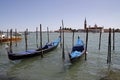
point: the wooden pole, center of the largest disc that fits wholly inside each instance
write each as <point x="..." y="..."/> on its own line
<point x="60" y="37"/>
<point x="100" y="39"/>
<point x="113" y="39"/>
<point x="37" y="37"/>
<point x="7" y="33"/>
<point x="86" y="43"/>
<point x="109" y="47"/>
<point x="41" y="40"/>
<point x="63" y="53"/>
<point x="73" y="39"/>
<point x="40" y="36"/>
<point x="16" y="37"/>
<point x="25" y="33"/>
<point x="10" y="40"/>
<point x="48" y="33"/>
<point x="1" y="37"/>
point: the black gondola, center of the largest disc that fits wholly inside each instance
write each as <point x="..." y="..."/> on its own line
<point x="77" y="50"/>
<point x="31" y="53"/>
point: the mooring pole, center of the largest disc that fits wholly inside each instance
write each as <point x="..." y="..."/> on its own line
<point x="16" y="37"/>
<point x="26" y="44"/>
<point x="37" y="37"/>
<point x="109" y="47"/>
<point x="63" y="53"/>
<point x="48" y="34"/>
<point x="7" y="33"/>
<point x="27" y="31"/>
<point x="113" y="39"/>
<point x="41" y="40"/>
<point x="86" y="44"/>
<point x="60" y="37"/>
<point x="100" y="39"/>
<point x="73" y="38"/>
<point x="0" y="38"/>
<point x="10" y="40"/>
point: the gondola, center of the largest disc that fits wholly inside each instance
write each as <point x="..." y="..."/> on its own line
<point x="77" y="50"/>
<point x="31" y="53"/>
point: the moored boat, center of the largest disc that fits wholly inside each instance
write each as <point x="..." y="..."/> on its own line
<point x="4" y="38"/>
<point x="31" y="53"/>
<point x="77" y="50"/>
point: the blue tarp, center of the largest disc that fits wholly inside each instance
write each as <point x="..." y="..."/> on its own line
<point x="79" y="46"/>
<point x="79" y="42"/>
<point x="23" y="52"/>
<point x="31" y="51"/>
<point x="26" y="52"/>
<point x="75" y="54"/>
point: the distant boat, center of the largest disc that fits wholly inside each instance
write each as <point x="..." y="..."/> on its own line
<point x="77" y="50"/>
<point x="31" y="53"/>
<point x="4" y="38"/>
<point x="17" y="34"/>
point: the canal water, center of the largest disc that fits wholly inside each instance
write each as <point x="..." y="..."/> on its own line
<point x="52" y="67"/>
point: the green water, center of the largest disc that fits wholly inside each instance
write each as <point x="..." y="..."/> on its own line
<point x="52" y="67"/>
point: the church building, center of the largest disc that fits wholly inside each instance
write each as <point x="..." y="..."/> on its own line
<point x="95" y="28"/>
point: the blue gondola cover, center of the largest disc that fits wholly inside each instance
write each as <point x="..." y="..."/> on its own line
<point x="75" y="54"/>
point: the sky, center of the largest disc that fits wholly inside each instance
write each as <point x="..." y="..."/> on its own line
<point x="22" y="14"/>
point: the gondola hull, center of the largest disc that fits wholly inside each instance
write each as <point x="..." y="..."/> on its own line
<point x="37" y="53"/>
<point x="32" y="53"/>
